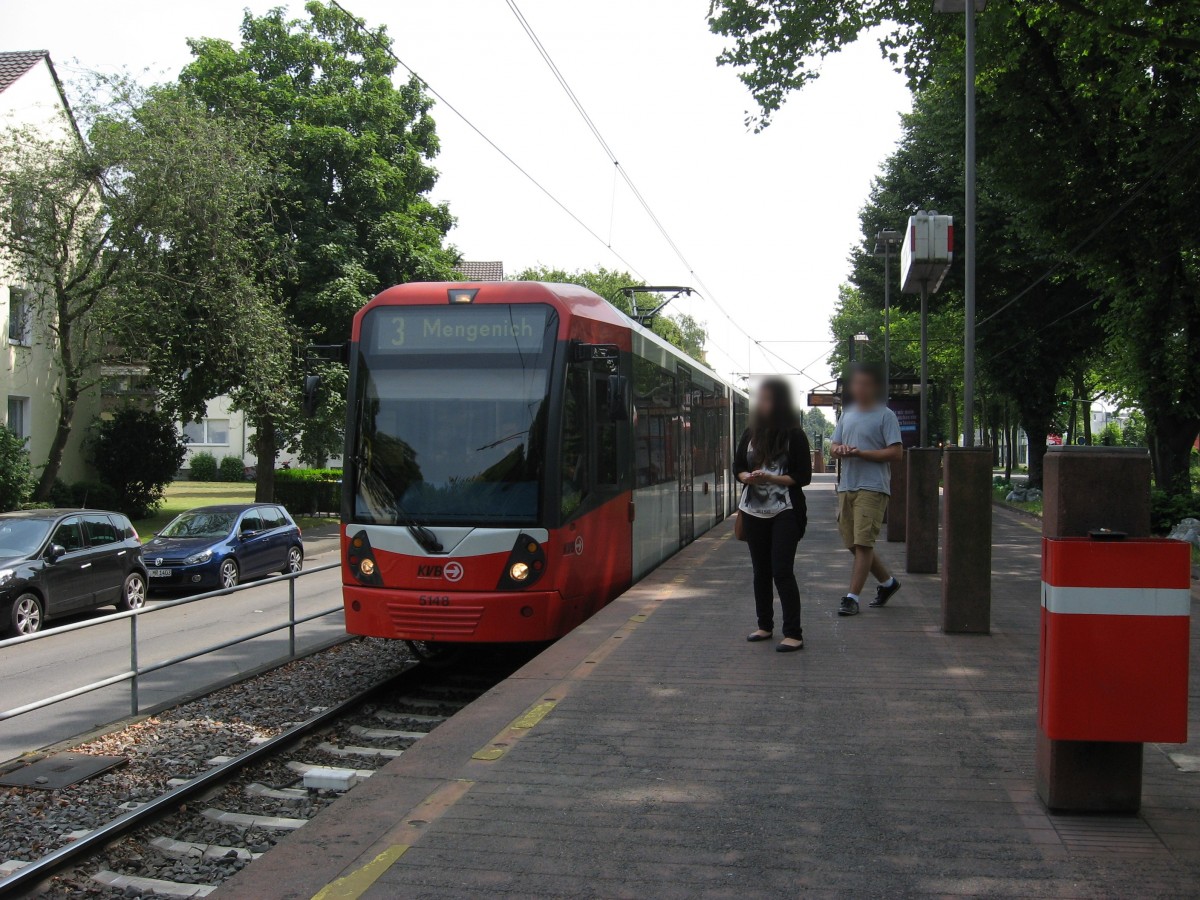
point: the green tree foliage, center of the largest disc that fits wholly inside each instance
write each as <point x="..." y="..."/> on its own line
<point x="140" y="477"/>
<point x="350" y="153"/>
<point x="679" y="329"/>
<point x="15" y="477"/>
<point x="1088" y="117"/>
<point x="1111" y="435"/>
<point x="138" y="241"/>
<point x="815" y="422"/>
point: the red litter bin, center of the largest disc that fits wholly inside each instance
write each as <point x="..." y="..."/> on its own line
<point x="1116" y="618"/>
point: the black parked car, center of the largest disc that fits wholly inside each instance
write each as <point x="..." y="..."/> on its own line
<point x="219" y="546"/>
<point x="54" y="562"/>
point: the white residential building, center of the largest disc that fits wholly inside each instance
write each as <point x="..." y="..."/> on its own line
<point x="224" y="431"/>
<point x="31" y="97"/>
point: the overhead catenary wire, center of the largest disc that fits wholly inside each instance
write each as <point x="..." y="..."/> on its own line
<point x="361" y="26"/>
<point x="1080" y="308"/>
<point x="705" y="291"/>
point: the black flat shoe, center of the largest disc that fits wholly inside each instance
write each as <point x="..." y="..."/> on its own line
<point x="755" y="638"/>
<point x="789" y="648"/>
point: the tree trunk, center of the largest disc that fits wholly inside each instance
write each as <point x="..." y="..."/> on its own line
<point x="1010" y="458"/>
<point x="68" y="397"/>
<point x="1037" y="452"/>
<point x="1085" y="406"/>
<point x="1008" y="448"/>
<point x="62" y="433"/>
<point x="265" y="451"/>
<point x="1171" y="439"/>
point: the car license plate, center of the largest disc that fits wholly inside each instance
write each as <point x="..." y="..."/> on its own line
<point x="159" y="573"/>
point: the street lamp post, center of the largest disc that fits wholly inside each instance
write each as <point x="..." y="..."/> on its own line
<point x="968" y="9"/>
<point x="884" y="242"/>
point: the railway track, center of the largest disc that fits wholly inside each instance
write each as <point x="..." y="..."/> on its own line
<point x="198" y="831"/>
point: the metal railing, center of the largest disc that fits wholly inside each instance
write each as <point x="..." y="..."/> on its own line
<point x="137" y="670"/>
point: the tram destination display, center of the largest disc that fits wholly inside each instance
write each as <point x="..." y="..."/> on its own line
<point x="469" y="329"/>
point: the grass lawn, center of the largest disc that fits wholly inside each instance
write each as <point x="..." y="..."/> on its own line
<point x="184" y="495"/>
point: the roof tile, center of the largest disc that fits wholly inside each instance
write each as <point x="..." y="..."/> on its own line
<point x="14" y="64"/>
<point x="482" y="271"/>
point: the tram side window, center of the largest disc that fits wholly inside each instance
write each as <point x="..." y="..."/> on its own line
<point x="655" y="409"/>
<point x="574" y="461"/>
<point x="607" y="467"/>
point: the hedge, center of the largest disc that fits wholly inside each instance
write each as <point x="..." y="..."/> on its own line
<point x="309" y="492"/>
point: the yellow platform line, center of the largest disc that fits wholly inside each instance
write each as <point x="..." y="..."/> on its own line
<point x="357" y="883"/>
<point x="514" y="731"/>
<point x="398" y="840"/>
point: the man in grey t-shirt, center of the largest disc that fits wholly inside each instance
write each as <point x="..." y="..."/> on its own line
<point x="867" y="441"/>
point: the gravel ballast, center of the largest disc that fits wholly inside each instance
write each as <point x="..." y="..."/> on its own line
<point x="179" y="744"/>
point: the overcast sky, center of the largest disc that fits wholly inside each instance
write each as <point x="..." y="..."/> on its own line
<point x="765" y="220"/>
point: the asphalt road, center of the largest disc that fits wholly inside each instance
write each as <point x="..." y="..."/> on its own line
<point x="56" y="664"/>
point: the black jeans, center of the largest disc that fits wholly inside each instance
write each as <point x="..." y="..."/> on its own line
<point x="773" y="553"/>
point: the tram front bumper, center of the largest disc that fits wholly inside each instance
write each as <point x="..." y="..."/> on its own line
<point x="453" y="617"/>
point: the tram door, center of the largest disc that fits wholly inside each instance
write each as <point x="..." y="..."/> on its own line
<point x="684" y="445"/>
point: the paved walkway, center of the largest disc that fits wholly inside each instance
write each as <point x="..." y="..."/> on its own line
<point x="654" y="753"/>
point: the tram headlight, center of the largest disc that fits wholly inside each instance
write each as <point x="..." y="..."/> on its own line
<point x="367" y="567"/>
<point x="524" y="566"/>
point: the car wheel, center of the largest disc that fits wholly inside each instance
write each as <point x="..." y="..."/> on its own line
<point x="27" y="615"/>
<point x="229" y="574"/>
<point x="295" y="561"/>
<point x="134" y="595"/>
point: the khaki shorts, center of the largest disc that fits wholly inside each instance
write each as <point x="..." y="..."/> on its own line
<point x="860" y="516"/>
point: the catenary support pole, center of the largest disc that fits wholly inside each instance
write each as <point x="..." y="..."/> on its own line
<point x="924" y="442"/>
<point x="969" y="237"/>
<point x="887" y="321"/>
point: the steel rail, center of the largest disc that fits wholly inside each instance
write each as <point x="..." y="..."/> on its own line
<point x="40" y="869"/>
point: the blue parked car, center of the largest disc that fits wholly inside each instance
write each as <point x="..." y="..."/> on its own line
<point x="220" y="546"/>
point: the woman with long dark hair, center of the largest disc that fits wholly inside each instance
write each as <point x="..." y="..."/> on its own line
<point x="772" y="461"/>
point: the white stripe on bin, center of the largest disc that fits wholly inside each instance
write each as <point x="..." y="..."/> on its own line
<point x="1116" y="601"/>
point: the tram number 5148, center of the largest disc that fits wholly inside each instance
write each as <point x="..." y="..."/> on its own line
<point x="431" y="600"/>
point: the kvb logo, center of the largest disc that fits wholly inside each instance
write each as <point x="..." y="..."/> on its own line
<point x="429" y="571"/>
<point x="452" y="571"/>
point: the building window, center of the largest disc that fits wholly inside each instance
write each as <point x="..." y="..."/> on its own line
<point x="20" y="317"/>
<point x="18" y="416"/>
<point x="207" y="431"/>
<point x="121" y="381"/>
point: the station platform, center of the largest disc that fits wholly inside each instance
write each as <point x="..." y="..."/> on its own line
<point x="653" y="752"/>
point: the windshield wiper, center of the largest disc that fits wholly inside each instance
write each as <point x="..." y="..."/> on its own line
<point x="503" y="440"/>
<point x="423" y="536"/>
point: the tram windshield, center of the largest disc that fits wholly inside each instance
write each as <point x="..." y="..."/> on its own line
<point x="451" y="407"/>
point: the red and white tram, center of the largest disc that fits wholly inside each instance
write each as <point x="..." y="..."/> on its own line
<point x="517" y="455"/>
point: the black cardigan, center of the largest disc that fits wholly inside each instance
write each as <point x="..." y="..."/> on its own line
<point x="799" y="463"/>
